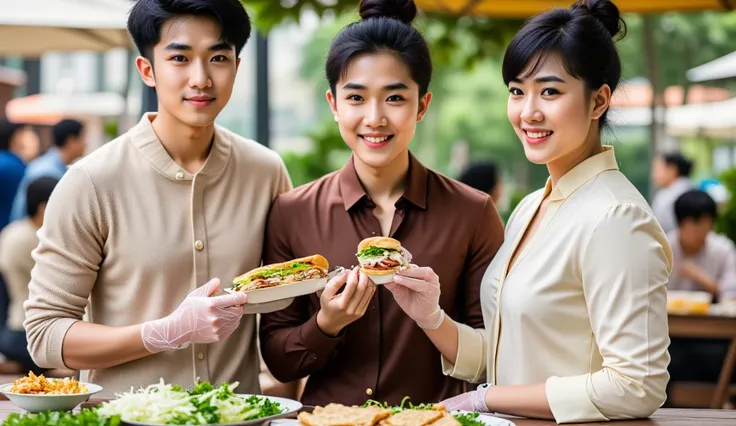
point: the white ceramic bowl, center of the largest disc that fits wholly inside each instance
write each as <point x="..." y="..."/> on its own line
<point x="37" y="403"/>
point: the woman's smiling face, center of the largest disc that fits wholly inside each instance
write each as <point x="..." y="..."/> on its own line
<point x="377" y="106"/>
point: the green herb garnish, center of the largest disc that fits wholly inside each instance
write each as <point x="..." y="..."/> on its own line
<point x="465" y="419"/>
<point x="374" y="252"/>
<point x="279" y="272"/>
<point x="86" y="417"/>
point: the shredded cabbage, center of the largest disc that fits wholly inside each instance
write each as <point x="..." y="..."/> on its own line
<point x="205" y="404"/>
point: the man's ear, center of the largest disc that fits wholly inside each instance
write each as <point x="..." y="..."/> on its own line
<point x="424" y="105"/>
<point x="333" y="104"/>
<point x="145" y="69"/>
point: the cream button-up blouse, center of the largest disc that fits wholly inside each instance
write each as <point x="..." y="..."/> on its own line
<point x="583" y="309"/>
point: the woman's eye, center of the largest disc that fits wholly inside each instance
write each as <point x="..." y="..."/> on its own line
<point x="515" y="91"/>
<point x="356" y="98"/>
<point x="550" y="92"/>
<point x="395" y="98"/>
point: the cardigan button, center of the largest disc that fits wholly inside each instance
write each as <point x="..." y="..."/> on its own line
<point x="199" y="245"/>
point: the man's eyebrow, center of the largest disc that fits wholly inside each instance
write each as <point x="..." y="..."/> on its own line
<point x="220" y="46"/>
<point x="392" y="86"/>
<point x="183" y="46"/>
<point x="177" y="46"/>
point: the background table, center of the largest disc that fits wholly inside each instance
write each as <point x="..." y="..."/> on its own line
<point x="710" y="327"/>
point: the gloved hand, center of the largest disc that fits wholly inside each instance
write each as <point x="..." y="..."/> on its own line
<point x="469" y="401"/>
<point x="198" y="319"/>
<point x="417" y="292"/>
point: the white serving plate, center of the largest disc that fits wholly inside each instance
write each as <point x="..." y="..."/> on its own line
<point x="486" y="419"/>
<point x="38" y="403"/>
<point x="290" y="406"/>
<point x="288" y="291"/>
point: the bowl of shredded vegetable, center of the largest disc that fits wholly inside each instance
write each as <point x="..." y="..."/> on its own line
<point x="205" y="404"/>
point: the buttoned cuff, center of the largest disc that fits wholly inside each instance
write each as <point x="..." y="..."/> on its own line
<point x="316" y="341"/>
<point x="470" y="360"/>
<point x="569" y="401"/>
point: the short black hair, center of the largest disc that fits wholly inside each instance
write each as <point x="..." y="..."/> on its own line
<point x="38" y="192"/>
<point x="482" y="176"/>
<point x="385" y="27"/>
<point x="695" y="204"/>
<point x="65" y="129"/>
<point x="583" y="35"/>
<point x="147" y="16"/>
<point x="683" y="165"/>
<point x="7" y="130"/>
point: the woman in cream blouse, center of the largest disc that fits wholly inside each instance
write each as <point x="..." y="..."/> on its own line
<point x="574" y="302"/>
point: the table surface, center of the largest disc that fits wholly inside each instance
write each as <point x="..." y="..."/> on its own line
<point x="663" y="417"/>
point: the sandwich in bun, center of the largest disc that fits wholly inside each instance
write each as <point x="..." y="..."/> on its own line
<point x="382" y="256"/>
<point x="277" y="274"/>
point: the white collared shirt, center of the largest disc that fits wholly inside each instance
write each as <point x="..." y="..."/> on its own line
<point x="583" y="309"/>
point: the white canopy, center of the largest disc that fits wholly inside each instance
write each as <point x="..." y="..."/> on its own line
<point x="717" y="69"/>
<point x="31" y="27"/>
<point x="711" y="119"/>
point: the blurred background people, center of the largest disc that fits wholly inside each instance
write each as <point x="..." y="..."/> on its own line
<point x="17" y="242"/>
<point x="484" y="176"/>
<point x="671" y="175"/>
<point x="702" y="259"/>
<point x="69" y="145"/>
<point x="19" y="144"/>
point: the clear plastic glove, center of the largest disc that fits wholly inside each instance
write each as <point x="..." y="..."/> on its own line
<point x="199" y="319"/>
<point x="417" y="291"/>
<point x="469" y="401"/>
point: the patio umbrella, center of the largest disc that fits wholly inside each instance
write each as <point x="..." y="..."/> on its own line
<point x="29" y="28"/>
<point x="717" y="69"/>
<point x="526" y="8"/>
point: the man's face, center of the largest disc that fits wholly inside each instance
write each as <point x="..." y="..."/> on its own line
<point x="193" y="70"/>
<point x="693" y="232"/>
<point x="663" y="174"/>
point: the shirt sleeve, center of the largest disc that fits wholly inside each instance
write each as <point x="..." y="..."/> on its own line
<point x="67" y="258"/>
<point x="727" y="280"/>
<point x="292" y="344"/>
<point x="624" y="270"/>
<point x="488" y="237"/>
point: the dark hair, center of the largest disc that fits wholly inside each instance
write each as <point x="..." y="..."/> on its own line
<point x="695" y="204"/>
<point x="482" y="176"/>
<point x="39" y="191"/>
<point x="65" y="129"/>
<point x="8" y="129"/>
<point x="583" y="35"/>
<point x="147" y="16"/>
<point x="385" y="26"/>
<point x="683" y="165"/>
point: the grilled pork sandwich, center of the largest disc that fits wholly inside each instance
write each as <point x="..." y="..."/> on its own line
<point x="381" y="256"/>
<point x="305" y="268"/>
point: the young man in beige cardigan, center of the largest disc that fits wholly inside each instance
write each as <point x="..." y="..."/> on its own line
<point x="134" y="230"/>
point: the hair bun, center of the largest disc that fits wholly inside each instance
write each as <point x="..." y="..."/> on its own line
<point x="403" y="10"/>
<point x="607" y="13"/>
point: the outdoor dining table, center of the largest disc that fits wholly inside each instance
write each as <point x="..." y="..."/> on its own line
<point x="663" y="417"/>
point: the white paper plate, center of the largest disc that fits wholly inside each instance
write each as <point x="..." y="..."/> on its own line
<point x="290" y="406"/>
<point x="36" y="403"/>
<point x="288" y="291"/>
<point x="381" y="279"/>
